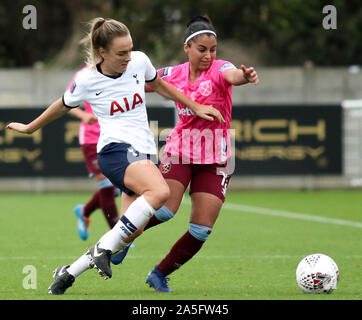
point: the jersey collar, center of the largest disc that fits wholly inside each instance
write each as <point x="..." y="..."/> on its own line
<point x="99" y="69"/>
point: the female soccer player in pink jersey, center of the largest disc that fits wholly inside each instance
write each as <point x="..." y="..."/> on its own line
<point x="114" y="86"/>
<point x="197" y="151"/>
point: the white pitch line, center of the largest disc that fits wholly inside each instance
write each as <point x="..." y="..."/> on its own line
<point x="286" y="214"/>
<point x="158" y="257"/>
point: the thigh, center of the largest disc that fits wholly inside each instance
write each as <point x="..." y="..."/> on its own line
<point x="129" y="170"/>
<point x="205" y="209"/>
<point x="207" y="190"/>
<point x="144" y="178"/>
<point x="113" y="162"/>
<point x="177" y="176"/>
<point x="143" y="175"/>
<point x="177" y="190"/>
<point x="176" y="171"/>
<point x="210" y="179"/>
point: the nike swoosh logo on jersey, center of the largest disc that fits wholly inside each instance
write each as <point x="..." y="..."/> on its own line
<point x="98" y="93"/>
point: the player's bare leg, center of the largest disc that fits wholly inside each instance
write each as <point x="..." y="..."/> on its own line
<point x="205" y="209"/>
<point x="204" y="212"/>
<point x="165" y="213"/>
<point x="145" y="180"/>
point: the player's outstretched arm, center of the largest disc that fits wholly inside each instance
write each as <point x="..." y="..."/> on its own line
<point x="86" y="117"/>
<point x="168" y="91"/>
<point x="53" y="112"/>
<point x="241" y="76"/>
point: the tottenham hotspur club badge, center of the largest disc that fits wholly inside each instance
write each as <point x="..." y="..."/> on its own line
<point x="135" y="76"/>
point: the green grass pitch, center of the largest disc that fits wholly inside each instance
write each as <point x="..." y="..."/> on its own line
<point x="252" y="253"/>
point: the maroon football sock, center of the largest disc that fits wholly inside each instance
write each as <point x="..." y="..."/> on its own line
<point x="181" y="252"/>
<point x="92" y="204"/>
<point x="152" y="222"/>
<point x="108" y="205"/>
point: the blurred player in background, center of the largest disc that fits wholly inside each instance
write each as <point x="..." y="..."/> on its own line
<point x="207" y="81"/>
<point x="105" y="196"/>
<point x="114" y="85"/>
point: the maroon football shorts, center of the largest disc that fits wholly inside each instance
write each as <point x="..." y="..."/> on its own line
<point x="91" y="159"/>
<point x="201" y="177"/>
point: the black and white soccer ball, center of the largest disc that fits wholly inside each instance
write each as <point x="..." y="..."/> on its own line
<point x="317" y="273"/>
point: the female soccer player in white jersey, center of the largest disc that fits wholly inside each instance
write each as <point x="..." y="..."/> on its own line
<point x="105" y="197"/>
<point x="114" y="86"/>
<point x="201" y="161"/>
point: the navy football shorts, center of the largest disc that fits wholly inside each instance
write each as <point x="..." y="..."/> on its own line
<point x="113" y="160"/>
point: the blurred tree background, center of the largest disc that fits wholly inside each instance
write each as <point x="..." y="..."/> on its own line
<point x="253" y="32"/>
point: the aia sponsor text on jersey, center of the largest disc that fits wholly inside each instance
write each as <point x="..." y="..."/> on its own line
<point x="125" y="106"/>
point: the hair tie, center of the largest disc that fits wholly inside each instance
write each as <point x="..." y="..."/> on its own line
<point x="99" y="23"/>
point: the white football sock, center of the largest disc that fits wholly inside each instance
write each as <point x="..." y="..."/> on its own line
<point x="137" y="214"/>
<point x="79" y="266"/>
<point x="118" y="247"/>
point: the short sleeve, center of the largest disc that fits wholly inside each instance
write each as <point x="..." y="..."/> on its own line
<point x="165" y="73"/>
<point x="74" y="95"/>
<point x="150" y="72"/>
<point x="222" y="68"/>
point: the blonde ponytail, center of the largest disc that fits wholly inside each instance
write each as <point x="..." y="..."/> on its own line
<point x="102" y="32"/>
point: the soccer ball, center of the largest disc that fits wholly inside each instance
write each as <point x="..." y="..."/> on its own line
<point x="317" y="273"/>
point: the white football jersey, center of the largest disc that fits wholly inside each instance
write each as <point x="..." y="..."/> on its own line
<point x="118" y="102"/>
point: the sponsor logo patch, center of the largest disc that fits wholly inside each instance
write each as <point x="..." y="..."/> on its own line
<point x="227" y="66"/>
<point x="72" y="87"/>
<point x="164" y="72"/>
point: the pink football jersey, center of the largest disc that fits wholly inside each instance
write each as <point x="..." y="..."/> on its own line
<point x="88" y="133"/>
<point x="195" y="140"/>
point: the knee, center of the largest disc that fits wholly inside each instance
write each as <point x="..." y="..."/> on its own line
<point x="164" y="214"/>
<point x="162" y="194"/>
<point x="158" y="195"/>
